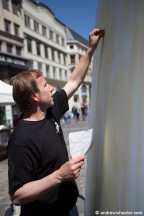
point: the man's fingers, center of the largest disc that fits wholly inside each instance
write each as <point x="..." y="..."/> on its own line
<point x="99" y="32"/>
<point x="78" y="159"/>
<point x="77" y="162"/>
<point x="102" y="33"/>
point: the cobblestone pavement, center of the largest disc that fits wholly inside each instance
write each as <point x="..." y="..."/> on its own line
<point x="4" y="197"/>
<point x="79" y="209"/>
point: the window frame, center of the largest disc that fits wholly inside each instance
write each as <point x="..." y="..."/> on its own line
<point x="5" y="4"/>
<point x="7" y="24"/>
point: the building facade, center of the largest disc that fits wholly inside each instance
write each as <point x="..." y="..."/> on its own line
<point x="45" y="42"/>
<point x="76" y="48"/>
<point x="12" y="58"/>
<point x="32" y="37"/>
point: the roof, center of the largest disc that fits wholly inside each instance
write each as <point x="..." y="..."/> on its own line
<point x="41" y="4"/>
<point x="72" y="35"/>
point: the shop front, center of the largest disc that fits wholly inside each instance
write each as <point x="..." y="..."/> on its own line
<point x="10" y="65"/>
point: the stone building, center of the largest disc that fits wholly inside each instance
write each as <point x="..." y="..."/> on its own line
<point x="12" y="58"/>
<point x="76" y="48"/>
<point x="32" y="37"/>
<point x="45" y="42"/>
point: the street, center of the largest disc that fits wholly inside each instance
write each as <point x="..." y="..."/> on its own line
<point x="79" y="209"/>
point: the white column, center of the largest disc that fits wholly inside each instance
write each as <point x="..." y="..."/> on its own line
<point x="57" y="73"/>
<point x="4" y="47"/>
<point x="56" y="56"/>
<point x="35" y="64"/>
<point x="25" y="46"/>
<point x="44" y="69"/>
<point x="77" y="58"/>
<point x="49" y="53"/>
<point x="42" y="51"/>
<point x="115" y="173"/>
<point x="51" y="71"/>
<point x="31" y="23"/>
<point x="34" y="47"/>
<point x="62" y="58"/>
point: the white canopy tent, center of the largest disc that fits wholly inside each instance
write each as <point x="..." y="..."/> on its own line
<point x="6" y="94"/>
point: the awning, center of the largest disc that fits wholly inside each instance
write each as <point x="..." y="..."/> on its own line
<point x="6" y="97"/>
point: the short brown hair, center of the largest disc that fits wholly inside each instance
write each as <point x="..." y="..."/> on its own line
<point x="24" y="84"/>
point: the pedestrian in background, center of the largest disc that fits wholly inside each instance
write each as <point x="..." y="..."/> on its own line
<point x="41" y="176"/>
<point x="84" y="111"/>
<point x="15" y="120"/>
<point x="67" y="118"/>
<point x="74" y="111"/>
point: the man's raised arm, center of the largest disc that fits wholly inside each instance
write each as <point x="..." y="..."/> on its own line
<point x="79" y="73"/>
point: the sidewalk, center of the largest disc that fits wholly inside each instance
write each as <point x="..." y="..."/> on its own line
<point x="4" y="197"/>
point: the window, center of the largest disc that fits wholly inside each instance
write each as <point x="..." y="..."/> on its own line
<point x="27" y="21"/>
<point x="51" y="35"/>
<point x="38" y="48"/>
<point x="15" y="7"/>
<point x="84" y="88"/>
<point x="18" y="50"/>
<point x="66" y="74"/>
<point x="7" y="25"/>
<point x="64" y="59"/>
<point x="16" y="29"/>
<point x="72" y="59"/>
<point x="5" y="4"/>
<point x="76" y="98"/>
<point x="57" y="38"/>
<point x="63" y="42"/>
<point x="60" y="74"/>
<point x="59" y="56"/>
<point x="40" y="66"/>
<point x="29" y="45"/>
<point x="43" y="30"/>
<point x="54" y="72"/>
<point x="47" y="71"/>
<point x="46" y="51"/>
<point x="72" y="69"/>
<point x="0" y="45"/>
<point x="71" y="46"/>
<point x="9" y="48"/>
<point x="53" y="56"/>
<point x="36" y="26"/>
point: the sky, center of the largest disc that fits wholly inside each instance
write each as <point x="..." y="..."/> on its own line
<point x="79" y="15"/>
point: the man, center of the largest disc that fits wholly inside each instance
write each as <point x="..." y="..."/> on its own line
<point x="41" y="177"/>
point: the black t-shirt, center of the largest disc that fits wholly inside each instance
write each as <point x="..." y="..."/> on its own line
<point x="35" y="150"/>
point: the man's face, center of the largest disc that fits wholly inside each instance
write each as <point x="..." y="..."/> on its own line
<point x="44" y="96"/>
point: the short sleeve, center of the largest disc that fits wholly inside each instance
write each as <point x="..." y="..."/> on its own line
<point x="60" y="103"/>
<point x="22" y="166"/>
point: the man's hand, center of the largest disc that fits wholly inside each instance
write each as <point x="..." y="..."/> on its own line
<point x="94" y="37"/>
<point x="71" y="169"/>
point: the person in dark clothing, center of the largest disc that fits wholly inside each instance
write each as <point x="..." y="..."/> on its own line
<point x="84" y="111"/>
<point x="74" y="111"/>
<point x="15" y="120"/>
<point x="41" y="176"/>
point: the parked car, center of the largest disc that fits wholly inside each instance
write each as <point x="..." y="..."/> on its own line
<point x="4" y="136"/>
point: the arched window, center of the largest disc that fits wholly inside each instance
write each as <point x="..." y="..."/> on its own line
<point x="84" y="88"/>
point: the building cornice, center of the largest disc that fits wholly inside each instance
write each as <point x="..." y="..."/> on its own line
<point x="10" y="36"/>
<point x="43" y="5"/>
